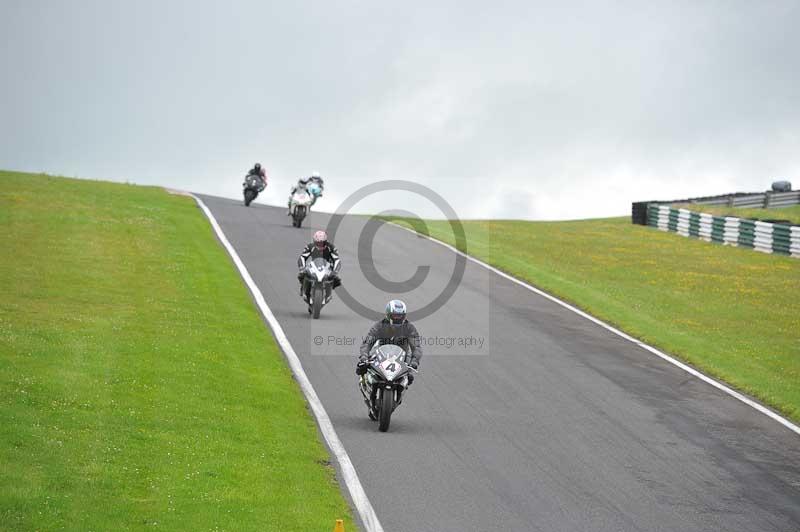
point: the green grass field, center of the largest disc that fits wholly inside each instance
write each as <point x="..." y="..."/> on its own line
<point x="732" y="312"/>
<point x="792" y="214"/>
<point x="139" y="388"/>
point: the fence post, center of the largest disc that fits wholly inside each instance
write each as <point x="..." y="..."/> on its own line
<point x="767" y="197"/>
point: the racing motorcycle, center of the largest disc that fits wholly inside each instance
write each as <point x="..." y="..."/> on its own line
<point x="252" y="187"/>
<point x="385" y="382"/>
<point x="317" y="288"/>
<point x="299" y="206"/>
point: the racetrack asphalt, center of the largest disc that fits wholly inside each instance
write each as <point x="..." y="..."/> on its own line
<point x="552" y="423"/>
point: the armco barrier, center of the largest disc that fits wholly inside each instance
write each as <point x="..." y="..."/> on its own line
<point x="761" y="236"/>
<point x="760" y="200"/>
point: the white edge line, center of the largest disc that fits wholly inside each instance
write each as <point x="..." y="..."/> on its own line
<point x="351" y="480"/>
<point x="688" y="369"/>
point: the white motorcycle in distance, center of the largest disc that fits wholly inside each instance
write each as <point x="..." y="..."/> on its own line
<point x="385" y="382"/>
<point x="299" y="206"/>
<point x="317" y="288"/>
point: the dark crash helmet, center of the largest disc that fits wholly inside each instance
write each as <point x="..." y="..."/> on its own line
<point x="396" y="312"/>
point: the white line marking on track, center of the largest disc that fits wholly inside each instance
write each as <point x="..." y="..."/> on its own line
<point x="746" y="400"/>
<point x="351" y="480"/>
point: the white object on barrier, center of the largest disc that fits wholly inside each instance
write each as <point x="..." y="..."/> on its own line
<point x="706" y="226"/>
<point x="794" y="232"/>
<point x="683" y="222"/>
<point x="762" y="240"/>
<point x="764" y="227"/>
<point x="730" y="236"/>
<point x="663" y="217"/>
<point x="705" y="233"/>
<point x="763" y="243"/>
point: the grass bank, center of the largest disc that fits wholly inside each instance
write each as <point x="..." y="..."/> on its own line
<point x="730" y="312"/>
<point x="139" y="387"/>
<point x="792" y="214"/>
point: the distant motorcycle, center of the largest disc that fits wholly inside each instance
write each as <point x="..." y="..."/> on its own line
<point x="299" y="206"/>
<point x="317" y="288"/>
<point x="252" y="187"/>
<point x="385" y="382"/>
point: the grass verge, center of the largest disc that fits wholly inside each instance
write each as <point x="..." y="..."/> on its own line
<point x="731" y="312"/>
<point x="139" y="388"/>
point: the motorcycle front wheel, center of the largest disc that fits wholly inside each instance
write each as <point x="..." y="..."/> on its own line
<point x="249" y="196"/>
<point x="318" y="295"/>
<point x="299" y="214"/>
<point x="386" y="408"/>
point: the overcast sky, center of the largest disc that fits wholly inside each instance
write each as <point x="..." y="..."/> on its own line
<point x="508" y="109"/>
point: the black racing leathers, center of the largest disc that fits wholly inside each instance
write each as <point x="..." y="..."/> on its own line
<point x="261" y="174"/>
<point x="404" y="335"/>
<point x="311" y="252"/>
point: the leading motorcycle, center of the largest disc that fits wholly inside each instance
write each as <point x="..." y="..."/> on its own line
<point x="252" y="187"/>
<point x="385" y="382"/>
<point x="317" y="287"/>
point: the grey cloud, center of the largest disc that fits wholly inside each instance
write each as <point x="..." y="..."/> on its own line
<point x="581" y="107"/>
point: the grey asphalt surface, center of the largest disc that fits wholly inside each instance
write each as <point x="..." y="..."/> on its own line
<point x="554" y="424"/>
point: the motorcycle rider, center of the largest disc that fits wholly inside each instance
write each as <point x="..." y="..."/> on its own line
<point x="393" y="329"/>
<point x="319" y="247"/>
<point x="260" y="173"/>
<point x="315" y="178"/>
<point x="303" y="183"/>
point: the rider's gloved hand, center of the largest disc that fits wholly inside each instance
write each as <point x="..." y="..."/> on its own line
<point x="361" y="367"/>
<point x="414" y="364"/>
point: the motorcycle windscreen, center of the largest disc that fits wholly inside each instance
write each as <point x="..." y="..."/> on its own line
<point x="389" y="360"/>
<point x="320" y="266"/>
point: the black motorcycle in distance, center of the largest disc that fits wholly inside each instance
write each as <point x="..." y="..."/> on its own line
<point x="252" y="187"/>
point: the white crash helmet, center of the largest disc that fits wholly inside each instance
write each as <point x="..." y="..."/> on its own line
<point x="320" y="239"/>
